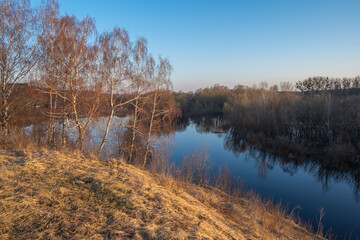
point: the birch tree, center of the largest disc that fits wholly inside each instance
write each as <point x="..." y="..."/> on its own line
<point x="140" y="72"/>
<point x="114" y="59"/>
<point x="161" y="82"/>
<point x="18" y="49"/>
<point x="76" y="75"/>
<point x="47" y="64"/>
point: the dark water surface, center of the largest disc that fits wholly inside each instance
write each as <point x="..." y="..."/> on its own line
<point x="297" y="183"/>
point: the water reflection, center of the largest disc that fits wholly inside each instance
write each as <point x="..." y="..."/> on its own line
<point x="322" y="169"/>
<point x="325" y="171"/>
<point x="203" y="124"/>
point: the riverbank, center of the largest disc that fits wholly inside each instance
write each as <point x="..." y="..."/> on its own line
<point x="47" y="194"/>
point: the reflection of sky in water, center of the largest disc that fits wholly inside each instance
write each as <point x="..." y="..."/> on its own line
<point x="294" y="187"/>
<point x="96" y="131"/>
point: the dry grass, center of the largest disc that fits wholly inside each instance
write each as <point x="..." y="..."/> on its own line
<point x="49" y="195"/>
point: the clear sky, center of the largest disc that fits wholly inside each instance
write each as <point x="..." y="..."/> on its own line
<point x="237" y="42"/>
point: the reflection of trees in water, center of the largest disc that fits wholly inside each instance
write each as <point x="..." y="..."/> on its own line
<point x="209" y="124"/>
<point x="203" y="124"/>
<point x="182" y="124"/>
<point x="326" y="172"/>
<point x="263" y="161"/>
<point x="328" y="176"/>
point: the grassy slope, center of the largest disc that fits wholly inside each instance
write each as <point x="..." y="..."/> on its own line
<point x="47" y="194"/>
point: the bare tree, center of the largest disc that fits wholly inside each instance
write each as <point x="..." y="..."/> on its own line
<point x="140" y="72"/>
<point x="286" y="86"/>
<point x="113" y="67"/>
<point x="47" y="63"/>
<point x="161" y="83"/>
<point x="76" y="61"/>
<point x="264" y="100"/>
<point x="18" y="49"/>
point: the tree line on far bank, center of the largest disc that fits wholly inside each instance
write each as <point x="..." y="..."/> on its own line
<point x="318" y="115"/>
<point x="59" y="69"/>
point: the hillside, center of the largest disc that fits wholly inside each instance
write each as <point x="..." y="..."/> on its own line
<point x="50" y="195"/>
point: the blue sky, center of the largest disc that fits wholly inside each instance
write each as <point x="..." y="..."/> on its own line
<point x="237" y="42"/>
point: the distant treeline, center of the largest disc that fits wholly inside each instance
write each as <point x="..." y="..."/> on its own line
<point x="318" y="115"/>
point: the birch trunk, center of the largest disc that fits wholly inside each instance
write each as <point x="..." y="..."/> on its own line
<point x="106" y="131"/>
<point x="134" y="129"/>
<point x="150" y="128"/>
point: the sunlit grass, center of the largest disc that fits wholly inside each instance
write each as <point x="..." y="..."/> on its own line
<point x="52" y="195"/>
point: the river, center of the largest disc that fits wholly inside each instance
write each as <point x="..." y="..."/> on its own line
<point x="299" y="183"/>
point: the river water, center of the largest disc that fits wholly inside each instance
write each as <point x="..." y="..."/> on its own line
<point x="296" y="183"/>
